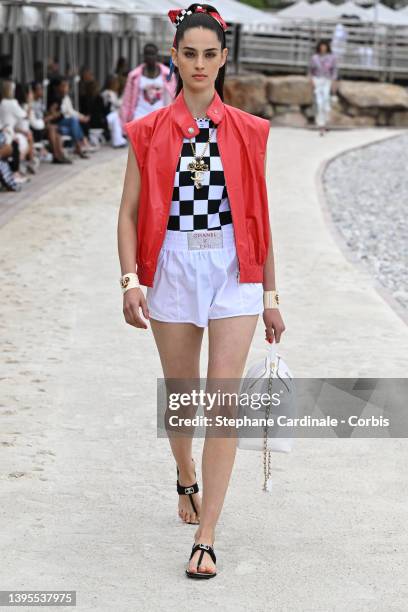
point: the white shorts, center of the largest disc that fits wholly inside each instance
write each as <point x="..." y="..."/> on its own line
<point x="193" y="285"/>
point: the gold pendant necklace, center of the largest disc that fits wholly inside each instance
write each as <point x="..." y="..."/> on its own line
<point x="198" y="166"/>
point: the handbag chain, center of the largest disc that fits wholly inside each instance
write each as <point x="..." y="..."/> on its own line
<point x="266" y="452"/>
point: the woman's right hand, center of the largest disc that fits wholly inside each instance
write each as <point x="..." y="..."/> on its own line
<point x="133" y="300"/>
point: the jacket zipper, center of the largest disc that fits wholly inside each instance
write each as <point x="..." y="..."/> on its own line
<point x="239" y="266"/>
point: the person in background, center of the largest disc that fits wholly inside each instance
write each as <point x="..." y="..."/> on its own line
<point x="322" y="72"/>
<point x="9" y="163"/>
<point x="32" y="123"/>
<point x="112" y="104"/>
<point x="65" y="116"/>
<point x="122" y="71"/>
<point x="92" y="105"/>
<point x="15" y="118"/>
<point x="43" y="128"/>
<point x="53" y="70"/>
<point x="86" y="77"/>
<point x="147" y="88"/>
<point x="38" y="70"/>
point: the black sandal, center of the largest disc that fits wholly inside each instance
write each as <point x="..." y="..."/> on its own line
<point x="204" y="548"/>
<point x="188" y="491"/>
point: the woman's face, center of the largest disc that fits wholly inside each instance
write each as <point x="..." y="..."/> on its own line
<point x="63" y="88"/>
<point x="87" y="75"/>
<point x="199" y="52"/>
<point x="38" y="91"/>
<point x="323" y="48"/>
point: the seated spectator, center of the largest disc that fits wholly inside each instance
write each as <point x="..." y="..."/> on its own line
<point x="66" y="117"/>
<point x="36" y="126"/>
<point x="93" y="106"/>
<point x="112" y="104"/>
<point x="42" y="126"/>
<point x="9" y="163"/>
<point x="85" y="76"/>
<point x="13" y="116"/>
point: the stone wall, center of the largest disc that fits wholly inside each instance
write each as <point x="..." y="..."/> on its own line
<point x="288" y="100"/>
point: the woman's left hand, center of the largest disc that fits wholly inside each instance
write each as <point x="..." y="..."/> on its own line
<point x="274" y="325"/>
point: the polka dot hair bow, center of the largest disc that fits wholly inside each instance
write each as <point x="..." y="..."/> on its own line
<point x="176" y="16"/>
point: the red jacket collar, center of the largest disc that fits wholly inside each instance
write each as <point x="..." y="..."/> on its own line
<point x="186" y="121"/>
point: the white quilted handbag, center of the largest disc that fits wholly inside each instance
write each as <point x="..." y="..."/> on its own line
<point x="271" y="375"/>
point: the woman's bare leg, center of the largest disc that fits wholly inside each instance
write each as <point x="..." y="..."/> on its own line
<point x="55" y="142"/>
<point x="6" y="151"/>
<point x="229" y="343"/>
<point x="30" y="152"/>
<point x="179" y="346"/>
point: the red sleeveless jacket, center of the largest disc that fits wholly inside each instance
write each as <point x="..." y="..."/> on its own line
<point x="157" y="141"/>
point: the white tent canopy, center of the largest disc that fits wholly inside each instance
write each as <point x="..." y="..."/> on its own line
<point x="62" y="20"/>
<point x="298" y="10"/>
<point x="324" y="10"/>
<point x="27" y="17"/>
<point x="231" y="10"/>
<point x="385" y="15"/>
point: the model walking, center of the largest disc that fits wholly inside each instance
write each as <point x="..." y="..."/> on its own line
<point x="323" y="71"/>
<point x="194" y="210"/>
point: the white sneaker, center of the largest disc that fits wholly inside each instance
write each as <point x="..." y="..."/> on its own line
<point x="21" y="180"/>
<point x="91" y="149"/>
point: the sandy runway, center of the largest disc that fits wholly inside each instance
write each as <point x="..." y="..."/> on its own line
<point x="88" y="499"/>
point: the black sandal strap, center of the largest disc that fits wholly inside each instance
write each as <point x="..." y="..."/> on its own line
<point x="203" y="548"/>
<point x="192" y="503"/>
<point x="187" y="490"/>
<point x="200" y="559"/>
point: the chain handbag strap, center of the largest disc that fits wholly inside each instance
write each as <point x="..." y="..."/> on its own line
<point x="273" y="367"/>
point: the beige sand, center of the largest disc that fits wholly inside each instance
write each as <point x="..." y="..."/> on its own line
<point x="88" y="492"/>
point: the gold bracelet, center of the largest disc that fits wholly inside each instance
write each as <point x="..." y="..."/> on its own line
<point x="129" y="281"/>
<point x="271" y="299"/>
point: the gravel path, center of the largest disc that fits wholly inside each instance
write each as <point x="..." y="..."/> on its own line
<point x="367" y="193"/>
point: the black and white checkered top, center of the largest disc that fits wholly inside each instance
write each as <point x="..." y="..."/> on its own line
<point x="207" y="207"/>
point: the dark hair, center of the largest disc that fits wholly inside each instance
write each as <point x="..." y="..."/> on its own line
<point x="206" y="21"/>
<point x="122" y="65"/>
<point x="150" y="45"/>
<point x="6" y="66"/>
<point x="52" y="94"/>
<point x="21" y="92"/>
<point x="323" y="41"/>
<point x="91" y="89"/>
<point x="110" y="80"/>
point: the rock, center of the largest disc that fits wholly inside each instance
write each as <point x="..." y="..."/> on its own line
<point x="289" y="119"/>
<point x="268" y="111"/>
<point x="399" y="119"/>
<point x="287" y="108"/>
<point x="383" y="117"/>
<point x="292" y="89"/>
<point x="362" y="94"/>
<point x="308" y="112"/>
<point x="247" y="93"/>
<point x="340" y="119"/>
